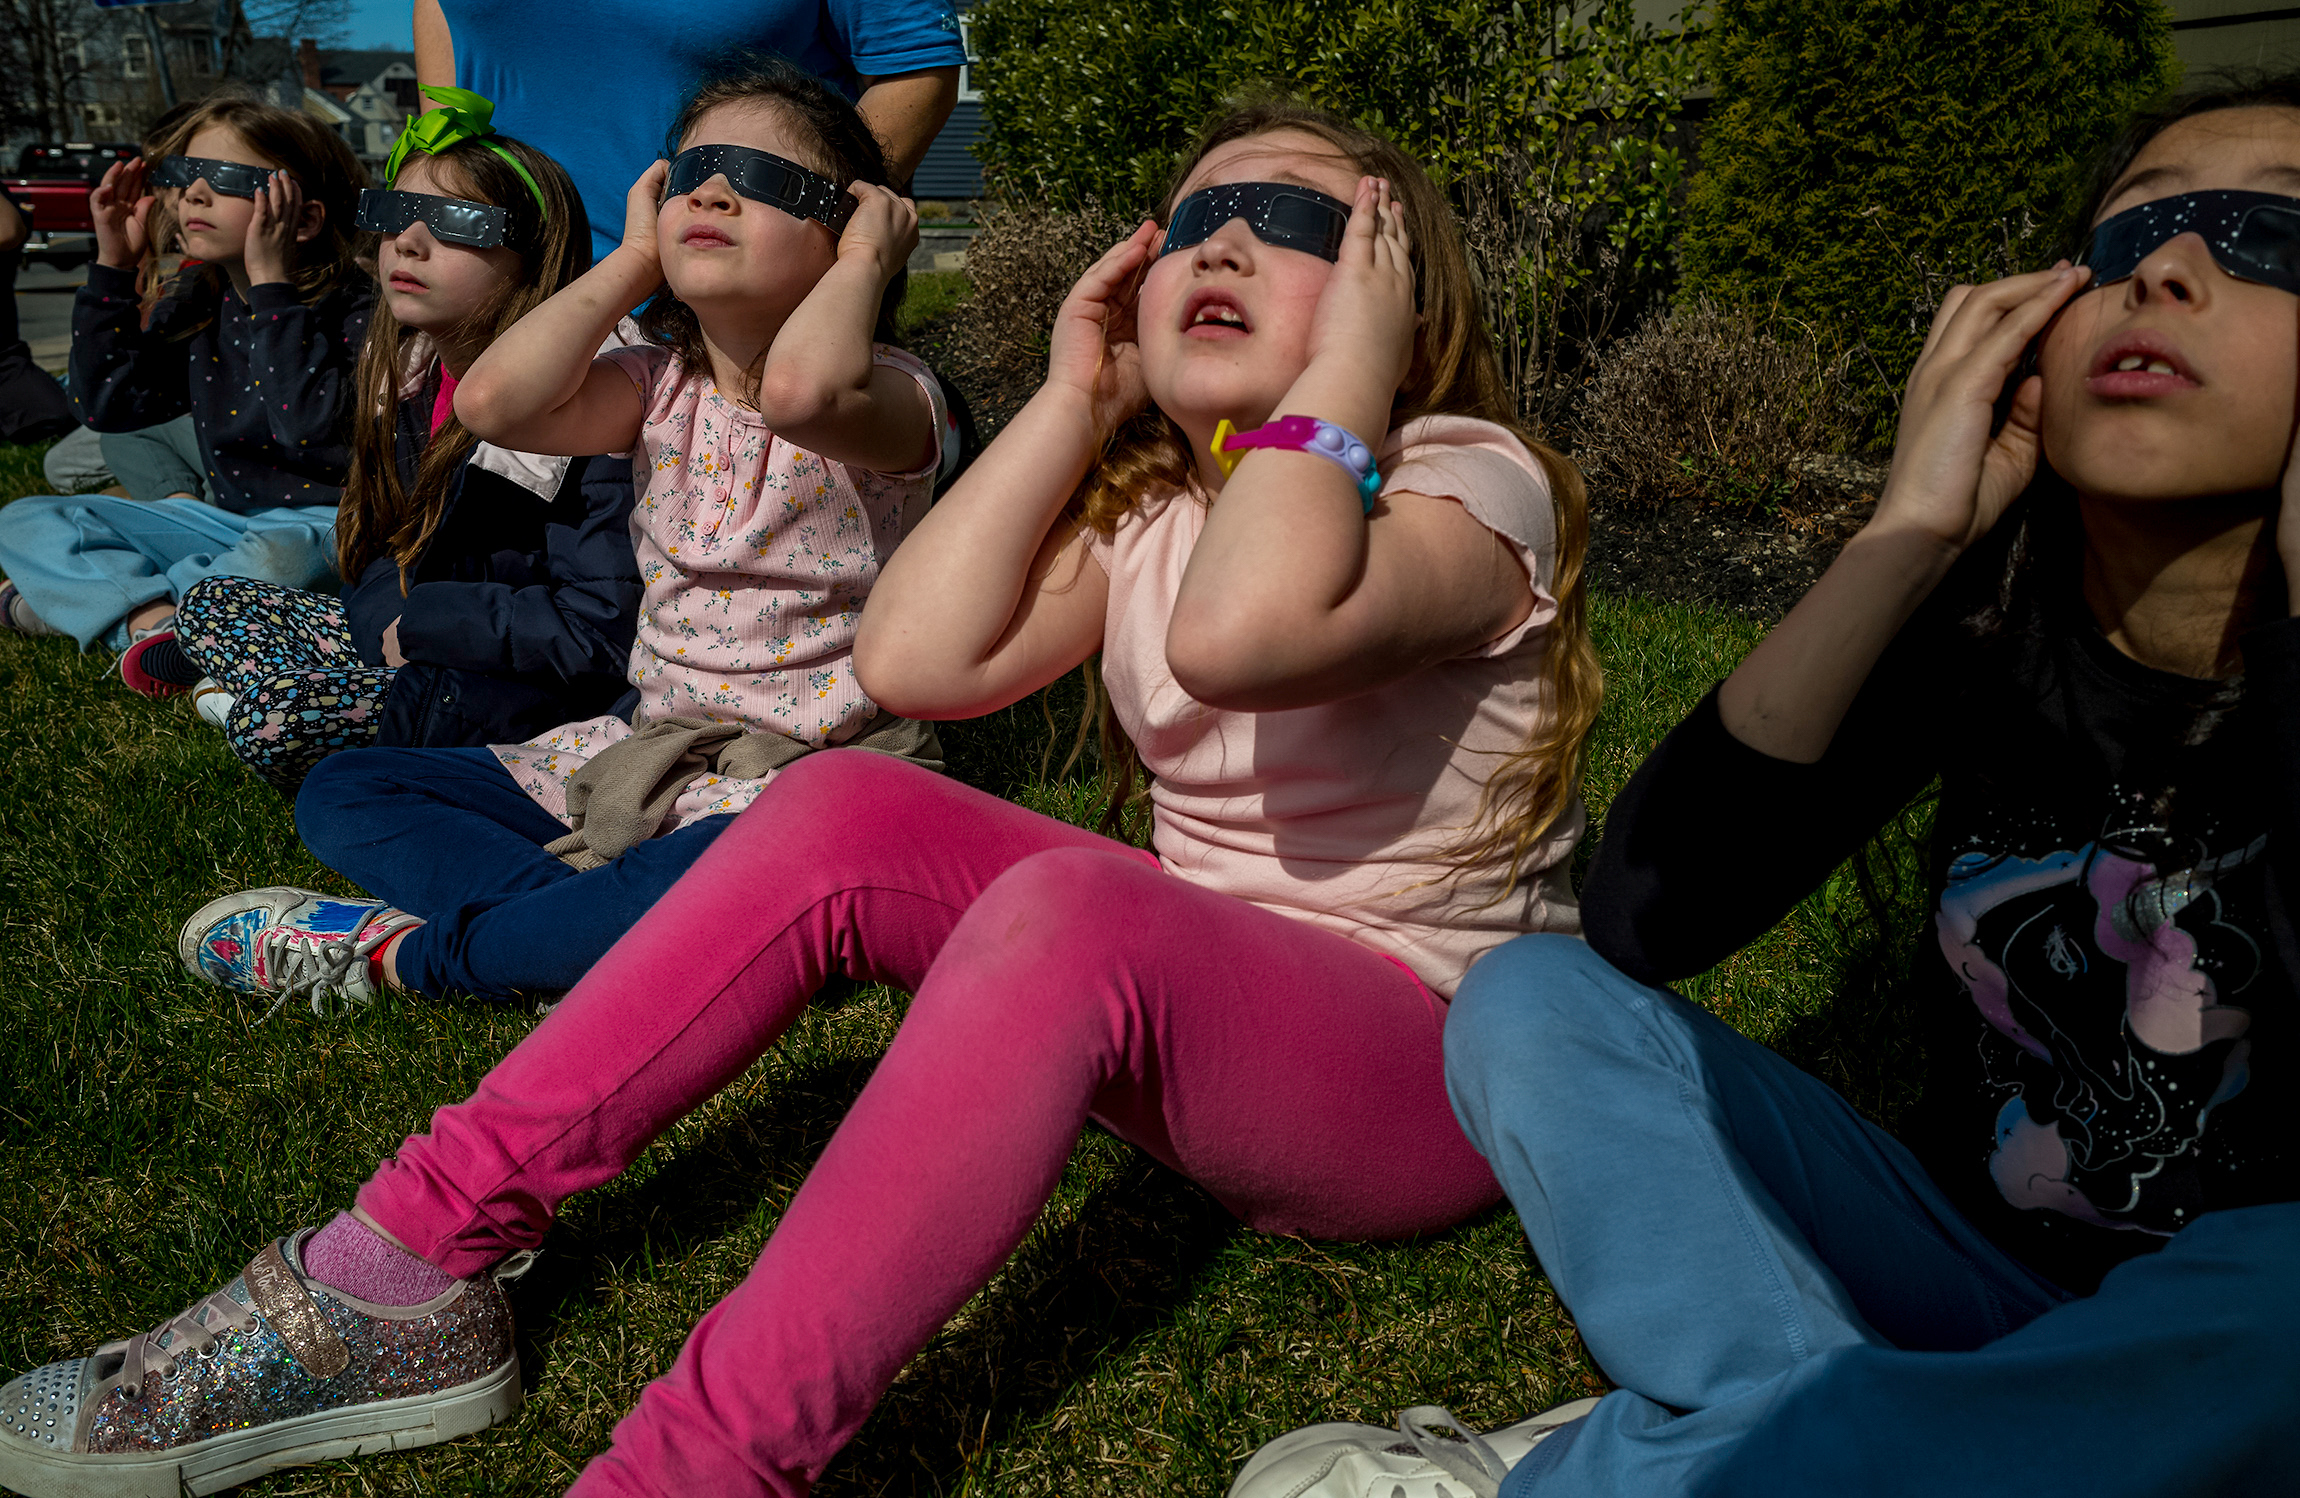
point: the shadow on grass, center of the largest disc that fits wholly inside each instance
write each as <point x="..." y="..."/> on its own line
<point x="1126" y="1258"/>
<point x="1096" y="1273"/>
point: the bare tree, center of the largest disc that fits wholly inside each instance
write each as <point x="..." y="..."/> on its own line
<point x="41" y="63"/>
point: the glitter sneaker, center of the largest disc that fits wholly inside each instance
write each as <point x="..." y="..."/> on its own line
<point x="274" y="1370"/>
<point x="296" y="943"/>
<point x="1366" y="1461"/>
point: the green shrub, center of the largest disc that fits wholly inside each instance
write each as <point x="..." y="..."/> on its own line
<point x="1863" y="154"/>
<point x="1551" y="123"/>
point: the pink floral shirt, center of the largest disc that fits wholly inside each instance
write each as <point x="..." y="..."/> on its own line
<point x="756" y="556"/>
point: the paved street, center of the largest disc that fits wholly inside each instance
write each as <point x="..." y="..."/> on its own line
<point x="44" y="308"/>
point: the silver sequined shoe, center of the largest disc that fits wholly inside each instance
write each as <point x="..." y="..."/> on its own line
<point x="271" y="1371"/>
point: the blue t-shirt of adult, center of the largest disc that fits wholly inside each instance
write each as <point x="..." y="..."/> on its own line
<point x="596" y="83"/>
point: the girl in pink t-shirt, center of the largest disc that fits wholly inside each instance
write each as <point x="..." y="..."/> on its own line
<point x="1362" y="691"/>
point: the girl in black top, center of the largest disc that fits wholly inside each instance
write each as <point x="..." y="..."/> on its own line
<point x="2075" y="1275"/>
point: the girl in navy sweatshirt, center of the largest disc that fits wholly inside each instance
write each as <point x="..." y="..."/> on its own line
<point x="257" y="341"/>
<point x="490" y="594"/>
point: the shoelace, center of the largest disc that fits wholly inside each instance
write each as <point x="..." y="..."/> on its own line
<point x="1471" y="1459"/>
<point x="298" y="967"/>
<point x="190" y="1331"/>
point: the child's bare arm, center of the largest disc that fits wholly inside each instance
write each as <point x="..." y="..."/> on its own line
<point x="819" y="387"/>
<point x="994" y="596"/>
<point x="537" y="387"/>
<point x="1951" y="481"/>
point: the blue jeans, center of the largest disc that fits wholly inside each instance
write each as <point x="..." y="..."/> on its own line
<point x="447" y="834"/>
<point x="1790" y="1306"/>
<point x="87" y="561"/>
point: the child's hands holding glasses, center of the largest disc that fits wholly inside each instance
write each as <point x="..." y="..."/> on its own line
<point x="1366" y="319"/>
<point x="1094" y="353"/>
<point x="272" y="228"/>
<point x="1952" y="478"/>
<point x="884" y="225"/>
<point x="121" y="210"/>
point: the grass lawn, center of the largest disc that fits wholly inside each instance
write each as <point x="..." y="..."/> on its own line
<point x="155" y="1138"/>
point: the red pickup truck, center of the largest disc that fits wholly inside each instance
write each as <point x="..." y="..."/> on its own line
<point x="51" y="185"/>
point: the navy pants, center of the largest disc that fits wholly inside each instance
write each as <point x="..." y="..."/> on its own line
<point x="1792" y="1309"/>
<point x="446" y="834"/>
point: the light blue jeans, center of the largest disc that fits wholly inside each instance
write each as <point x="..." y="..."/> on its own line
<point x="1792" y="1309"/>
<point x="87" y="561"/>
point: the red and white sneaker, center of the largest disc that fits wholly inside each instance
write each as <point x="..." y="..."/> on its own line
<point x="296" y="943"/>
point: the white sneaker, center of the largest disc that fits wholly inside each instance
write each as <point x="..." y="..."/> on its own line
<point x="1366" y="1461"/>
<point x="212" y="700"/>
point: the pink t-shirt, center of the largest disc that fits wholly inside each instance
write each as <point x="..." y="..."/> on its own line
<point x="1333" y="814"/>
<point x="756" y="557"/>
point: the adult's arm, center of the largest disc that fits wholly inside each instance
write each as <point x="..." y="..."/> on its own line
<point x="434" y="46"/>
<point x="15" y="226"/>
<point x="905" y="111"/>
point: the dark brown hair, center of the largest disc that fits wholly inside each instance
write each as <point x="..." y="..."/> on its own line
<point x="2046" y="532"/>
<point x="314" y="155"/>
<point x="844" y="150"/>
<point x="381" y="515"/>
<point x="1453" y="372"/>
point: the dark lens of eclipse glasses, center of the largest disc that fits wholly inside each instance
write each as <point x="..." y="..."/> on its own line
<point x="1279" y="213"/>
<point x="231" y="178"/>
<point x="2253" y="236"/>
<point x="764" y="177"/>
<point x="481" y="226"/>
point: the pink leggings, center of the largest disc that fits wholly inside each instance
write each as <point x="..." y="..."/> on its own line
<point x="1057" y="976"/>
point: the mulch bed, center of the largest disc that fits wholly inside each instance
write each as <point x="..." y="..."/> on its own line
<point x="1755" y="563"/>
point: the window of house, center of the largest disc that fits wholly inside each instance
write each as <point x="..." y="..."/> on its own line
<point x="135" y="57"/>
<point x="967" y="92"/>
<point x="402" y="92"/>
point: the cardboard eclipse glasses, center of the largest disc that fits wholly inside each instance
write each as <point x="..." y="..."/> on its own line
<point x="481" y="226"/>
<point x="2253" y="236"/>
<point x="1279" y="213"/>
<point x="233" y="179"/>
<point x="764" y="177"/>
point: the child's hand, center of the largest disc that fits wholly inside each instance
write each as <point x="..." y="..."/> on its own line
<point x="272" y="228"/>
<point x="885" y="225"/>
<point x="1095" y="353"/>
<point x="121" y="211"/>
<point x="391" y="651"/>
<point x="1365" y="319"/>
<point x="1950" y="478"/>
<point x="642" y="210"/>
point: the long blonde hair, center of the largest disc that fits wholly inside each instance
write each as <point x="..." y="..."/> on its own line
<point x="1454" y="372"/>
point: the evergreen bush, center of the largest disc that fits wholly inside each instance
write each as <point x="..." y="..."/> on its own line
<point x="1863" y="155"/>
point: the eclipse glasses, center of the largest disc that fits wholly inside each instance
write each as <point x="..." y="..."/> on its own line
<point x="481" y="226"/>
<point x="764" y="177"/>
<point x="233" y="179"/>
<point x="2253" y="236"/>
<point x="1279" y="213"/>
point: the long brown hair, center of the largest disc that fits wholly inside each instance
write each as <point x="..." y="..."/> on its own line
<point x="845" y="151"/>
<point x="381" y="515"/>
<point x="314" y="155"/>
<point x="1454" y="372"/>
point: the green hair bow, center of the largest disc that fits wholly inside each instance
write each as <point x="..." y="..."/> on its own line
<point x="462" y="115"/>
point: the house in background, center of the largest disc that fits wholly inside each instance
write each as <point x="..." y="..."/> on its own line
<point x="2214" y="35"/>
<point x="109" y="73"/>
<point x="367" y="95"/>
<point x="948" y="171"/>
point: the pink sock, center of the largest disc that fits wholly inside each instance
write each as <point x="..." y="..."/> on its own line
<point x="348" y="1255"/>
